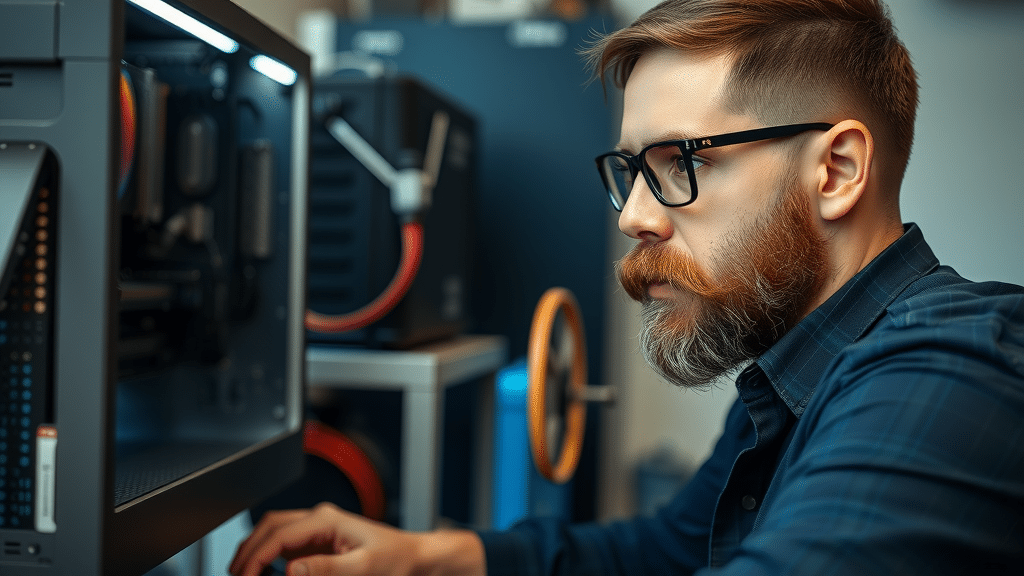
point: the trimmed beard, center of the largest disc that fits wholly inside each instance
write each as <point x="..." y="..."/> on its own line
<point x="758" y="289"/>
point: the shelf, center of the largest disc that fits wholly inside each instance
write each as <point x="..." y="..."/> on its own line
<point x="429" y="367"/>
<point x="422" y="374"/>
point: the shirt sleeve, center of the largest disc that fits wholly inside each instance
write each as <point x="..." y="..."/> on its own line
<point x="674" y="541"/>
<point x="910" y="461"/>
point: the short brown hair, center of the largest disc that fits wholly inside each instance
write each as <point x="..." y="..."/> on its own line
<point x="793" y="59"/>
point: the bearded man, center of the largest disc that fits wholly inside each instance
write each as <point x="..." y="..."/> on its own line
<point x="879" y="427"/>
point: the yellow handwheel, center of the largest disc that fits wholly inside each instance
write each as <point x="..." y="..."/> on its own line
<point x="539" y="363"/>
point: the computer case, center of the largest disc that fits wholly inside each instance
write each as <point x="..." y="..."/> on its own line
<point x="153" y="243"/>
<point x="354" y="236"/>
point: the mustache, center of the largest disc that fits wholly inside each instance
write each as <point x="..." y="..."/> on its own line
<point x="658" y="263"/>
<point x="746" y="262"/>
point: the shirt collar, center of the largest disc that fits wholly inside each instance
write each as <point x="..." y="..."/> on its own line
<point x="795" y="364"/>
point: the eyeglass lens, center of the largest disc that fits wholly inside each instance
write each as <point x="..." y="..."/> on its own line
<point x="618" y="178"/>
<point x="667" y="167"/>
<point x="664" y="164"/>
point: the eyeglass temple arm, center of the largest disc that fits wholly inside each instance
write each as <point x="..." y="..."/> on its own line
<point x="755" y="135"/>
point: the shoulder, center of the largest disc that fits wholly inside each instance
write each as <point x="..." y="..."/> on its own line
<point x="944" y="343"/>
<point x="914" y="438"/>
<point x="944" y="297"/>
<point x="934" y="389"/>
<point x="944" y="319"/>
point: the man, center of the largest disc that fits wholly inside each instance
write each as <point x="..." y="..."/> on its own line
<point x="880" y="422"/>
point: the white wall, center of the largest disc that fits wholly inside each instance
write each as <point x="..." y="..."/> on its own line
<point x="962" y="187"/>
<point x="963" y="184"/>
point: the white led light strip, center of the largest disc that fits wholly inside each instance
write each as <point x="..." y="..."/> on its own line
<point x="273" y="69"/>
<point x="187" y="23"/>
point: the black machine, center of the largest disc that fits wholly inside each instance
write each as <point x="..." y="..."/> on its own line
<point x="152" y="240"/>
<point x="354" y="231"/>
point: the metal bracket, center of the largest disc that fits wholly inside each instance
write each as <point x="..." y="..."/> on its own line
<point x="411" y="189"/>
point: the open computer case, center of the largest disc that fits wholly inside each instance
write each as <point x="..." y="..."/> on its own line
<point x="153" y="175"/>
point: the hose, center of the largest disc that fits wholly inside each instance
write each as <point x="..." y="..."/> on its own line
<point x="408" y="266"/>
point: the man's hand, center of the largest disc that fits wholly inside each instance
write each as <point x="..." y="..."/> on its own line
<point x="327" y="541"/>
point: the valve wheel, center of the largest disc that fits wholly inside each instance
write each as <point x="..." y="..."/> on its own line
<point x="541" y="364"/>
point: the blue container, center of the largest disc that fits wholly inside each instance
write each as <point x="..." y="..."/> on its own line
<point x="519" y="490"/>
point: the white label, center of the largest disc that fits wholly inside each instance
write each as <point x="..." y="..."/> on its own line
<point x="383" y="42"/>
<point x="46" y="472"/>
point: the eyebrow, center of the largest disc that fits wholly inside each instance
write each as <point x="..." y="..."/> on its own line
<point x="663" y="137"/>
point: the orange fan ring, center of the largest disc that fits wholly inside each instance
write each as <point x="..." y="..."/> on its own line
<point x="551" y="302"/>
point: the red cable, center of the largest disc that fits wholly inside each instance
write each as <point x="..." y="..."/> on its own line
<point x="333" y="446"/>
<point x="412" y="254"/>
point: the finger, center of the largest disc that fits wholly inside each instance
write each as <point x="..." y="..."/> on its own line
<point x="349" y="564"/>
<point x="281" y="543"/>
<point x="270" y="522"/>
<point x="311" y="531"/>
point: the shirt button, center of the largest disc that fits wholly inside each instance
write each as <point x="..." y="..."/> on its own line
<point x="748" y="502"/>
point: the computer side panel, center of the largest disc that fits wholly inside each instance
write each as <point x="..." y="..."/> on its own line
<point x="135" y="348"/>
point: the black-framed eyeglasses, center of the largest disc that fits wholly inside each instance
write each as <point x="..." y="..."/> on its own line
<point x="668" y="167"/>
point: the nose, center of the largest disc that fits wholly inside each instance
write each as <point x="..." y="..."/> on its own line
<point x="643" y="217"/>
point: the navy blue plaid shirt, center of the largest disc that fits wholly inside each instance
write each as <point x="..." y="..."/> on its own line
<point x="884" y="434"/>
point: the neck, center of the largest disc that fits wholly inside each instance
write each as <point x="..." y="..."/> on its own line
<point x="853" y="243"/>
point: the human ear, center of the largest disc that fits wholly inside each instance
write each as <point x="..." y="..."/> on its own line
<point x="844" y="167"/>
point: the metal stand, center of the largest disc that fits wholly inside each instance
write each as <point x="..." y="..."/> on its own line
<point x="422" y="374"/>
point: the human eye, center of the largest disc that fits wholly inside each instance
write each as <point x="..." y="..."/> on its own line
<point x="625" y="175"/>
<point x="678" y="164"/>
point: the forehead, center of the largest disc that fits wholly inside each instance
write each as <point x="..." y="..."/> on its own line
<point x="674" y="94"/>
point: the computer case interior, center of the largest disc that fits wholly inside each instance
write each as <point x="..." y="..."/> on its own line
<point x="153" y="243"/>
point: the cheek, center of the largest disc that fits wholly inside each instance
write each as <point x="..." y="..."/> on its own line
<point x="705" y="235"/>
<point x="727" y="211"/>
<point x="762" y="180"/>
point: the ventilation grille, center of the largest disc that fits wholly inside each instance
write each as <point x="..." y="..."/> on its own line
<point x="26" y="325"/>
<point x="6" y="79"/>
<point x="338" y="204"/>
